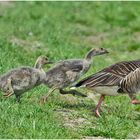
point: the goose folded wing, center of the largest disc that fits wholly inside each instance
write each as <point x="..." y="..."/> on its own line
<point x="131" y="83"/>
<point x="100" y="79"/>
<point x="123" y="68"/>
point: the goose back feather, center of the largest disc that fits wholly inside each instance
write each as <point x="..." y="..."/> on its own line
<point x="110" y="76"/>
<point x="131" y="83"/>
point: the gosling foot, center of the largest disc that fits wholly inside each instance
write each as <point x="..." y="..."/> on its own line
<point x="43" y="100"/>
<point x="8" y="94"/>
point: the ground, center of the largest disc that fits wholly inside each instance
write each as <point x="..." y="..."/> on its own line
<point x="62" y="30"/>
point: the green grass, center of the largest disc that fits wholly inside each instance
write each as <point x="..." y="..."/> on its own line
<point x="63" y="30"/>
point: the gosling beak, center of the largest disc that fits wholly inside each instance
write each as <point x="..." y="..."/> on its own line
<point x="50" y="62"/>
<point x="107" y="51"/>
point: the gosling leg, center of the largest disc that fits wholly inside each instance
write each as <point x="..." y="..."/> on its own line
<point x="18" y="98"/>
<point x="73" y="92"/>
<point x="45" y="97"/>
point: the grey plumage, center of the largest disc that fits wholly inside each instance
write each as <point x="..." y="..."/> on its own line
<point x="120" y="78"/>
<point x="66" y="72"/>
<point x="20" y="80"/>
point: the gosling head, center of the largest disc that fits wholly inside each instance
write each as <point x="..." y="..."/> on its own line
<point x="96" y="51"/>
<point x="41" y="61"/>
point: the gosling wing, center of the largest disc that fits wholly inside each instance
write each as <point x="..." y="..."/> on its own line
<point x="73" y="65"/>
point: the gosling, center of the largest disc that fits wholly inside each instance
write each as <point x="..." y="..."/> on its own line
<point x="20" y="80"/>
<point x="66" y="72"/>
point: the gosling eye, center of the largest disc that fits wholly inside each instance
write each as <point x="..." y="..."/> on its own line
<point x="46" y="59"/>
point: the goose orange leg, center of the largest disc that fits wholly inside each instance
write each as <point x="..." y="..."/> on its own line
<point x="97" y="113"/>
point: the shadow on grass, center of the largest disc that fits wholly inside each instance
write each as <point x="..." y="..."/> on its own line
<point x="78" y="106"/>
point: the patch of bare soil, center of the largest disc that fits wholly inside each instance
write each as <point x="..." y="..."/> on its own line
<point x="6" y="3"/>
<point x="97" y="38"/>
<point x="136" y="36"/>
<point x="138" y="138"/>
<point x="94" y="138"/>
<point x="70" y="120"/>
<point x="29" y="45"/>
<point x="70" y="116"/>
<point x="100" y="37"/>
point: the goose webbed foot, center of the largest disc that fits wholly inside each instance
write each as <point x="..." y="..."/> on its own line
<point x="97" y="113"/>
<point x="135" y="102"/>
<point x="133" y="99"/>
<point x="73" y="92"/>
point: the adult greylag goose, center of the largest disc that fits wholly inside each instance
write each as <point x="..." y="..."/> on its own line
<point x="117" y="79"/>
<point x="20" y="80"/>
<point x="66" y="72"/>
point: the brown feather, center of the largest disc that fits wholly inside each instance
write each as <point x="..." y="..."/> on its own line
<point x="110" y="76"/>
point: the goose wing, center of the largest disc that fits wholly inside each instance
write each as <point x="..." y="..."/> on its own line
<point x="100" y="79"/>
<point x="131" y="83"/>
<point x="123" y="68"/>
<point x="110" y="76"/>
